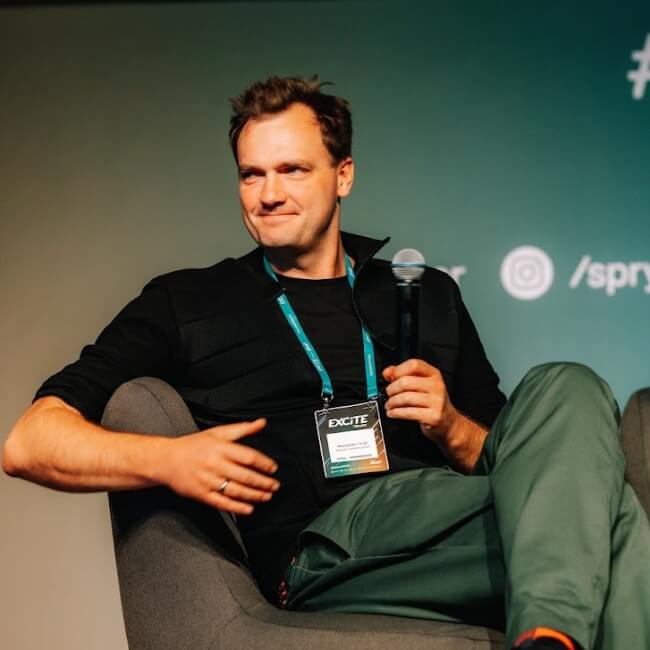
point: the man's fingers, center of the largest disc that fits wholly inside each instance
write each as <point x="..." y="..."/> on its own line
<point x="388" y="372"/>
<point x="409" y="398"/>
<point x="239" y="429"/>
<point x="412" y="367"/>
<point x="222" y="502"/>
<point x="250" y="477"/>
<point x="243" y="455"/>
<point x="415" y="413"/>
<point x="410" y="383"/>
<point x="239" y="492"/>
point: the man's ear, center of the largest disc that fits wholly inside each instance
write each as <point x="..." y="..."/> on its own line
<point x="345" y="177"/>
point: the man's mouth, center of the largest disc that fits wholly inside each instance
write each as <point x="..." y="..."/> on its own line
<point x="272" y="217"/>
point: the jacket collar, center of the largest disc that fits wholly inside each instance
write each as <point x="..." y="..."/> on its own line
<point x="360" y="248"/>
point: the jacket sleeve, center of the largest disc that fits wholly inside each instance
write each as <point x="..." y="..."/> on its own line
<point x="142" y="340"/>
<point x="476" y="387"/>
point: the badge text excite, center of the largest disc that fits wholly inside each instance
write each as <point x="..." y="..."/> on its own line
<point x="351" y="420"/>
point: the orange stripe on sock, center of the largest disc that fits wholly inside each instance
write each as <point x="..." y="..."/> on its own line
<point x="545" y="633"/>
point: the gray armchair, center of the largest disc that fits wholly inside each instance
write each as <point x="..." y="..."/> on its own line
<point x="183" y="575"/>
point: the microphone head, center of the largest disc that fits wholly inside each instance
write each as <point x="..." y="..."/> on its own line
<point x="408" y="265"/>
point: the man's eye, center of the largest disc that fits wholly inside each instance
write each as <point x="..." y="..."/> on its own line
<point x="294" y="171"/>
<point x="248" y="175"/>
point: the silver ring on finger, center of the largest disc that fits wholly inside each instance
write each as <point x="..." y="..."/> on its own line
<point x="222" y="488"/>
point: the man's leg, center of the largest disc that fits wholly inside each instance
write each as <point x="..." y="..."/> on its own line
<point x="422" y="543"/>
<point x="625" y="620"/>
<point x="556" y="469"/>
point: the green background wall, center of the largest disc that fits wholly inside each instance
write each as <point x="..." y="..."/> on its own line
<point x="480" y="127"/>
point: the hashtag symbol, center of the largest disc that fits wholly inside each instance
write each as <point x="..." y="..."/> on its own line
<point x="641" y="76"/>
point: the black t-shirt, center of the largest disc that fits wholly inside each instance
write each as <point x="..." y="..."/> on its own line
<point x="326" y="313"/>
<point x="218" y="336"/>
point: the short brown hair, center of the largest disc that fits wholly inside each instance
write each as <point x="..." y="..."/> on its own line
<point x="276" y="94"/>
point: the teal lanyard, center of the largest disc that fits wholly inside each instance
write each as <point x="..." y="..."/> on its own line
<point x="368" y="349"/>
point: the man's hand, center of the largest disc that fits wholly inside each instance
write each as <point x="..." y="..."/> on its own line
<point x="53" y="444"/>
<point x="196" y="465"/>
<point x="417" y="392"/>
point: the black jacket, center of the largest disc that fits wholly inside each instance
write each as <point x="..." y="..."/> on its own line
<point x="218" y="336"/>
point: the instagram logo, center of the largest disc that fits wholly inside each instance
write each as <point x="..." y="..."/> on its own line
<point x="527" y="273"/>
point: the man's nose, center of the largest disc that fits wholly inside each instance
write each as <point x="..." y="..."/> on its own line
<point x="272" y="193"/>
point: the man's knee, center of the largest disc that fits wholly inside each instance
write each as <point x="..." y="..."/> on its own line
<point x="569" y="378"/>
<point x="568" y="371"/>
<point x="566" y="389"/>
<point x="148" y="405"/>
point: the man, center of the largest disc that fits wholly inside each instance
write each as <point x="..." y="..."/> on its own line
<point x="275" y="350"/>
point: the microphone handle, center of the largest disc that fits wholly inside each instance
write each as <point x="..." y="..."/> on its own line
<point x="408" y="318"/>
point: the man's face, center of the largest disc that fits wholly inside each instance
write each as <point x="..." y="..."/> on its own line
<point x="288" y="185"/>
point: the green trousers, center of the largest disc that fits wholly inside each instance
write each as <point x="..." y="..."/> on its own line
<point x="545" y="532"/>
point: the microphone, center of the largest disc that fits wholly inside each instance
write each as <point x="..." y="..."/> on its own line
<point x="407" y="266"/>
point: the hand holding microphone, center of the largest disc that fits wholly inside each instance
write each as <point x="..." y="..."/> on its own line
<point x="416" y="390"/>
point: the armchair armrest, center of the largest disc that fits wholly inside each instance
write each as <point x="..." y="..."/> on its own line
<point x="635" y="435"/>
